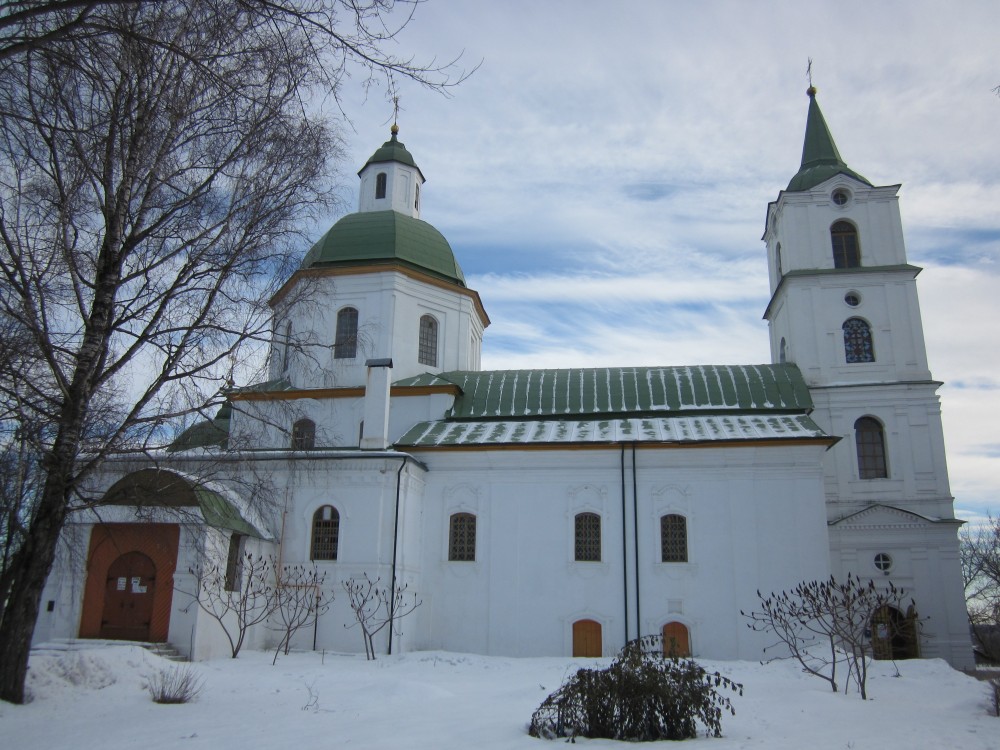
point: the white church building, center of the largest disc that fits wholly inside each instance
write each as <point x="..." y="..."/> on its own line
<point x="550" y="512"/>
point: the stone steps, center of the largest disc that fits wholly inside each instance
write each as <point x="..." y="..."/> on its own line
<point x="62" y="645"/>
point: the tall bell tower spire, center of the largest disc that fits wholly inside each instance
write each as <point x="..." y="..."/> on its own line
<point x="844" y="309"/>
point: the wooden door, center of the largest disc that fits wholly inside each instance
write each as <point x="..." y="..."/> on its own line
<point x="128" y="598"/>
<point x="676" y="641"/>
<point x="586" y="638"/>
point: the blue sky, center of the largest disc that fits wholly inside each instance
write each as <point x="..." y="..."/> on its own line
<point x="603" y="177"/>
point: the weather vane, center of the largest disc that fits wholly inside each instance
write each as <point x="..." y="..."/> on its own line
<point x="809" y="72"/>
<point x="395" y="114"/>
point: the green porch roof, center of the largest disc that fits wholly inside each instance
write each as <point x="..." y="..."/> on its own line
<point x="700" y="389"/>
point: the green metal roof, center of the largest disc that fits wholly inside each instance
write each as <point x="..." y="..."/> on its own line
<point x="385" y="237"/>
<point x="205" y="434"/>
<point x="221" y="514"/>
<point x="699" y="429"/>
<point x="820" y="157"/>
<point x="392" y="150"/>
<point x="534" y="394"/>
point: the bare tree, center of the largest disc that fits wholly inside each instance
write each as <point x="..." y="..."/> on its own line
<point x="238" y="597"/>
<point x="300" y="603"/>
<point x="156" y="162"/>
<point x="376" y="606"/>
<point x="822" y="624"/>
<point x="980" y="551"/>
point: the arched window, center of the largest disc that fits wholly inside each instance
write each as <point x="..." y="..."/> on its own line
<point x="286" y="351"/>
<point x="303" y="435"/>
<point x="858" y="346"/>
<point x="587" y="640"/>
<point x="325" y="534"/>
<point x="846" y="250"/>
<point x="676" y="640"/>
<point x="462" y="538"/>
<point x="870" y="441"/>
<point x="587" y="527"/>
<point x="416" y="198"/>
<point x="782" y="351"/>
<point x="777" y="259"/>
<point x="346" y="344"/>
<point x="380" y="180"/>
<point x="428" y="341"/>
<point x="673" y="538"/>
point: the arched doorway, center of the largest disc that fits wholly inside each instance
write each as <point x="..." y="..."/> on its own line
<point x="894" y="635"/>
<point x="587" y="638"/>
<point x="128" y="598"/>
<point x="676" y="641"/>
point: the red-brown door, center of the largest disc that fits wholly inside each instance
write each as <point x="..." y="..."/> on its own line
<point x="675" y="640"/>
<point x="128" y="598"/>
<point x="586" y="638"/>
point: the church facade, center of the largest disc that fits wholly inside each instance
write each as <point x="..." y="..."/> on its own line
<point x="550" y="512"/>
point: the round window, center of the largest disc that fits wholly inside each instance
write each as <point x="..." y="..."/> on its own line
<point x="853" y="299"/>
<point x="883" y="562"/>
<point x="841" y="196"/>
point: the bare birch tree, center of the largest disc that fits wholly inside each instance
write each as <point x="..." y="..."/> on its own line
<point x="156" y="162"/>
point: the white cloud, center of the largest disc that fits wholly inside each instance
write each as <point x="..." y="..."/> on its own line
<point x="603" y="178"/>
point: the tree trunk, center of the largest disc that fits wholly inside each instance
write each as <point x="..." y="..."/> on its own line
<point x="29" y="570"/>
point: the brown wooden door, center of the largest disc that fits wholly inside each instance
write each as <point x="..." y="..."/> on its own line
<point x="675" y="640"/>
<point x="586" y="638"/>
<point x="128" y="598"/>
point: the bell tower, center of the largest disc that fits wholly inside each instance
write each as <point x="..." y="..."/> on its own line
<point x="844" y="309"/>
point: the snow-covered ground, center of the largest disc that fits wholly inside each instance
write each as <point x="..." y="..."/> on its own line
<point x="93" y="698"/>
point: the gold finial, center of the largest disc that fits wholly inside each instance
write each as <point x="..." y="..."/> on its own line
<point x="811" y="91"/>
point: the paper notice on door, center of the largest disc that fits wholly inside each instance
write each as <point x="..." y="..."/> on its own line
<point x="137" y="588"/>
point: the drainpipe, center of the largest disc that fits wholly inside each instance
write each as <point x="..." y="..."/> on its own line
<point x="635" y="531"/>
<point x="624" y="546"/>
<point x="395" y="539"/>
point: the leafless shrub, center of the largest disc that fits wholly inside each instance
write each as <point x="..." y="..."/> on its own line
<point x="179" y="684"/>
<point x="822" y="624"/>
<point x="375" y="607"/>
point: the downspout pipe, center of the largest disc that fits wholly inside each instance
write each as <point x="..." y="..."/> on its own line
<point x="624" y="546"/>
<point x="395" y="543"/>
<point x="635" y="531"/>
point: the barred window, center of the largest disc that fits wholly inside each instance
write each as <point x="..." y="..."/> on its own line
<point x="870" y="441"/>
<point x="428" y="341"/>
<point x="303" y="435"/>
<point x="346" y="344"/>
<point x="380" y="180"/>
<point x="858" y="346"/>
<point x="462" y="538"/>
<point x="846" y="253"/>
<point x="673" y="538"/>
<point x="325" y="534"/>
<point x="588" y="537"/>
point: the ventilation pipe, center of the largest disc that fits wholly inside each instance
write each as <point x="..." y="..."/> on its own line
<point x="375" y="428"/>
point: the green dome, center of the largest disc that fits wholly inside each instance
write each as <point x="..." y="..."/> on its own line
<point x="392" y="150"/>
<point x="385" y="237"/>
<point x="206" y="434"/>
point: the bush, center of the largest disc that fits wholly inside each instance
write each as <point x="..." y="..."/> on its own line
<point x="180" y="684"/>
<point x="642" y="696"/>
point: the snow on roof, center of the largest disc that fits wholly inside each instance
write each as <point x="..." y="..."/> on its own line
<point x="640" y="430"/>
